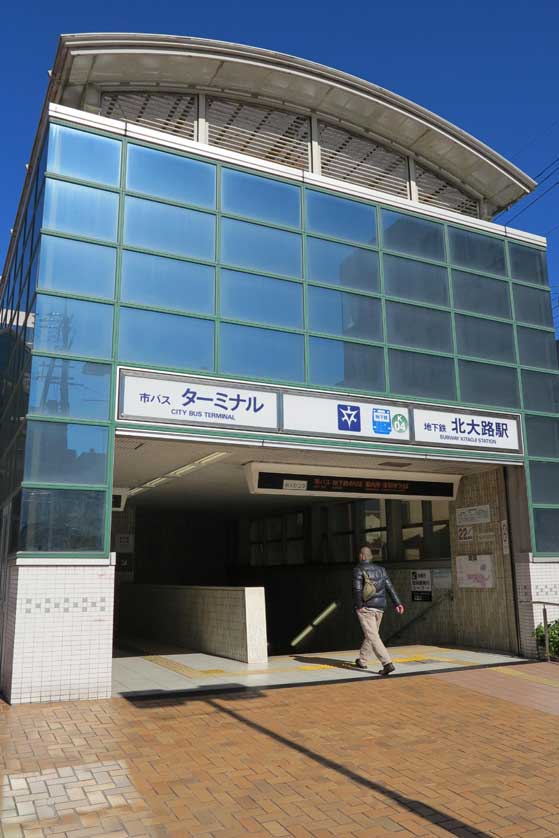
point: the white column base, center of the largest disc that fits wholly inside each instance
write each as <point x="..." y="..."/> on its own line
<point x="58" y="633"/>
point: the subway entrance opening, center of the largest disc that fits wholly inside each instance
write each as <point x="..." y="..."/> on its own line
<point x="209" y="536"/>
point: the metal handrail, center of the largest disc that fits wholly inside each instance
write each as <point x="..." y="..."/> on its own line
<point x="448" y="595"/>
<point x="545" y="621"/>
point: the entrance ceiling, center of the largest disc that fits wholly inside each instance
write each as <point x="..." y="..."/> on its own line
<point x="223" y="483"/>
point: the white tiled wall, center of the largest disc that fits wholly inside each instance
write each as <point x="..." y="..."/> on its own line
<point x="229" y="622"/>
<point x="535" y="581"/>
<point x="59" y="628"/>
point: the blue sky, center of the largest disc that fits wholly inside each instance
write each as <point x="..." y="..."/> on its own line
<point x="490" y="67"/>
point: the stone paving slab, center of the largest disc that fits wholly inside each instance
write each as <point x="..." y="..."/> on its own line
<point x="195" y="671"/>
<point x="426" y="756"/>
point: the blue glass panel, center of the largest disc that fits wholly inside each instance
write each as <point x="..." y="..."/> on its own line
<point x="335" y="363"/>
<point x="537" y="348"/>
<point x="528" y="264"/>
<point x="546" y="525"/>
<point x="260" y="198"/>
<point x="412" y="374"/>
<point x="85" y="156"/>
<point x="260" y="248"/>
<point x="261" y="353"/>
<point x="544" y="479"/>
<point x="488" y="384"/>
<point x="62" y="520"/>
<point x="341" y="218"/>
<point x="481" y="294"/>
<point x="74" y="327"/>
<point x="532" y="305"/>
<point x="74" y="389"/>
<point x="420" y="327"/>
<point x="346" y="315"/>
<point x="543" y="436"/>
<point x="484" y="338"/>
<point x="541" y="391"/>
<point x="155" y="226"/>
<point x="274" y="302"/>
<point x="167" y="283"/>
<point x="342" y="264"/>
<point x="80" y="210"/>
<point x="77" y="267"/>
<point x="476" y="251"/>
<point x="416" y="236"/>
<point x="58" y="452"/>
<point x="170" y="176"/>
<point x="415" y="280"/>
<point x="166" y="340"/>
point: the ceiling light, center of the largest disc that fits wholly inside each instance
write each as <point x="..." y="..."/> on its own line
<point x="154" y="482"/>
<point x="203" y="461"/>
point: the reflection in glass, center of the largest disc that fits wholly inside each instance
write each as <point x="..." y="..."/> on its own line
<point x="73" y="326"/>
<point x="77" y="267"/>
<point x="543" y="436"/>
<point x="261" y="353"/>
<point x="532" y="306"/>
<point x="167" y="283"/>
<point x="415" y="280"/>
<point x="260" y="248"/>
<point x="155" y="226"/>
<point x="544" y="479"/>
<point x="481" y="294"/>
<point x="423" y="328"/>
<point x="537" y="348"/>
<point x="336" y="363"/>
<point x="541" y="391"/>
<point x="173" y="340"/>
<point x="489" y="384"/>
<point x="342" y="264"/>
<point x="476" y="251"/>
<point x="412" y="374"/>
<point x="341" y="218"/>
<point x="62" y="520"/>
<point x="170" y="176"/>
<point x="80" y="210"/>
<point x="528" y="264"/>
<point x="346" y="315"/>
<point x="260" y="198"/>
<point x="484" y="338"/>
<point x="57" y="452"/>
<point x="77" y="389"/>
<point x="416" y="236"/>
<point x="546" y="525"/>
<point x="274" y="302"/>
<point x="84" y="156"/>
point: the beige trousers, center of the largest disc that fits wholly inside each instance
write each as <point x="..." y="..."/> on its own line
<point x="370" y="619"/>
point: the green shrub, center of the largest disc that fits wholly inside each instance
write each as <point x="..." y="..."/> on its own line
<point x="553" y="629"/>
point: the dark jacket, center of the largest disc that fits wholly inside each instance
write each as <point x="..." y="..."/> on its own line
<point x="379" y="577"/>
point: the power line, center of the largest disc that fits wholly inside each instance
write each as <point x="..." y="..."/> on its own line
<point x="536" y="137"/>
<point x="555" y="160"/>
<point x="535" y="201"/>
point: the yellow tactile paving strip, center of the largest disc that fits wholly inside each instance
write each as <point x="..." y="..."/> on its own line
<point x="191" y="673"/>
<point x="537" y="679"/>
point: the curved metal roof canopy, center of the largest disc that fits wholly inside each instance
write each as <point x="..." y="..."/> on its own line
<point x="88" y="63"/>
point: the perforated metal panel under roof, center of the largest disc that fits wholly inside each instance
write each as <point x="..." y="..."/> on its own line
<point x="174" y="113"/>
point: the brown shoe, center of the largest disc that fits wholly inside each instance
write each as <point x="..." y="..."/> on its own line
<point x="387" y="669"/>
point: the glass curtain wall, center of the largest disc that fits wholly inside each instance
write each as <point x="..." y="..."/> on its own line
<point x="156" y="259"/>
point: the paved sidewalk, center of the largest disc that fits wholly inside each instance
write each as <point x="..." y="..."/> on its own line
<point x="156" y="670"/>
<point x="452" y="754"/>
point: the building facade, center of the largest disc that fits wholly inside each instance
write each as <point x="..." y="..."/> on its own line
<point x="268" y="260"/>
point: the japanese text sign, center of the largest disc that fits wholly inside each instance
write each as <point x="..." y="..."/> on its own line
<point x="188" y="401"/>
<point x="491" y="433"/>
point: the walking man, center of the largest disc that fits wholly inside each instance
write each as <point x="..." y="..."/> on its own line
<point x="370" y="584"/>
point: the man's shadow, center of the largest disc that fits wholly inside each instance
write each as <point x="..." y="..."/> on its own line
<point x="349" y="666"/>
